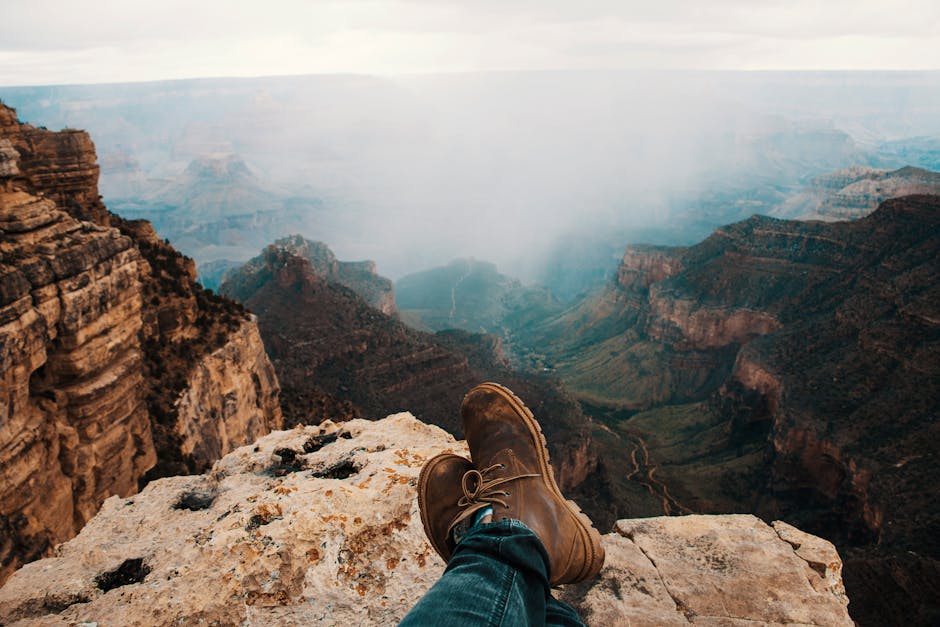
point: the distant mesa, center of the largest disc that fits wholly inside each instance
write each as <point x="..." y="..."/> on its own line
<point x="217" y="209"/>
<point x="855" y="192"/>
<point x="359" y="276"/>
<point x="221" y="167"/>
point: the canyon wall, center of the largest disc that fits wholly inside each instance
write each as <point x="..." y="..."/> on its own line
<point x="102" y="330"/>
<point x="784" y="368"/>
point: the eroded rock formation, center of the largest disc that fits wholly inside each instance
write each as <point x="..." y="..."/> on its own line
<point x="319" y="525"/>
<point x="230" y="400"/>
<point x="359" y="276"/>
<point x="102" y="330"/>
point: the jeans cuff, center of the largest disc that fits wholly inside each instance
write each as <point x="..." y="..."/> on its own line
<point x="509" y="524"/>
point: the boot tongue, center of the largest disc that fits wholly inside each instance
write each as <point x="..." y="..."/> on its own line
<point x="513" y="465"/>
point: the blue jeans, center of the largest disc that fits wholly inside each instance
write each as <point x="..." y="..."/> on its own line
<point x="498" y="575"/>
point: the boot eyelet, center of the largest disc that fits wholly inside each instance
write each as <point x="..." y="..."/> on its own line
<point x="502" y="466"/>
<point x="506" y="493"/>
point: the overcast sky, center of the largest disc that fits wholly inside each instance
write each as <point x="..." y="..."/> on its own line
<point x="64" y="41"/>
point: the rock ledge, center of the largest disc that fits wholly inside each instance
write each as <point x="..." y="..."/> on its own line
<point x="319" y="525"/>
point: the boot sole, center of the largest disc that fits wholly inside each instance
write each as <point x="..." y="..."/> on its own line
<point x="589" y="536"/>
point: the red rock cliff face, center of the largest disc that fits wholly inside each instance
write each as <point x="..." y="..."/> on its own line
<point x="62" y="166"/>
<point x="103" y="331"/>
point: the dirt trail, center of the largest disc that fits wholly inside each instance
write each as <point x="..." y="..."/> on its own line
<point x="643" y="472"/>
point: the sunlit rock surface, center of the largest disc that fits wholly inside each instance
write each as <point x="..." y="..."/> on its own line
<point x="319" y="525"/>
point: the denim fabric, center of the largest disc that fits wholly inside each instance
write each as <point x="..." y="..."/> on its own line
<point x="498" y="575"/>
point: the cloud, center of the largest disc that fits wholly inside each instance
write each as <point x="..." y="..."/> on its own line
<point x="117" y="40"/>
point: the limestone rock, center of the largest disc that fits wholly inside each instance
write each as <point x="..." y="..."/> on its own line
<point x="8" y="159"/>
<point x="713" y="570"/>
<point x="319" y="525"/>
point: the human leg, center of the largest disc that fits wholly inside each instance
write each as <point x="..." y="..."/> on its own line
<point x="497" y="575"/>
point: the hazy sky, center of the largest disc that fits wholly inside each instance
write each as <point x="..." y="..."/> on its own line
<point x="63" y="41"/>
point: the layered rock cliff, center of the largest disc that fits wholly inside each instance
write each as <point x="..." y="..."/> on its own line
<point x="103" y="329"/>
<point x="319" y="525"/>
<point x="230" y="399"/>
<point x="75" y="427"/>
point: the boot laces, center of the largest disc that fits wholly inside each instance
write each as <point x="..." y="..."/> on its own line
<point x="479" y="491"/>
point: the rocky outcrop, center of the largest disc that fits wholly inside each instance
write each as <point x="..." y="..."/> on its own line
<point x="103" y="330"/>
<point x="319" y="525"/>
<point x="642" y="266"/>
<point x="62" y="166"/>
<point x="691" y="326"/>
<point x="359" y="276"/>
<point x="74" y="427"/>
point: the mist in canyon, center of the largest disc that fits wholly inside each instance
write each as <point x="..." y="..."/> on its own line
<point x="547" y="174"/>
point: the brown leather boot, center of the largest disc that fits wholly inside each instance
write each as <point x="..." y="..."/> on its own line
<point x="514" y="476"/>
<point x="439" y="498"/>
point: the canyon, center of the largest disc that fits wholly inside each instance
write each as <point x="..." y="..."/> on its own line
<point x="780" y="368"/>
<point x="104" y="335"/>
<point x="783" y="368"/>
